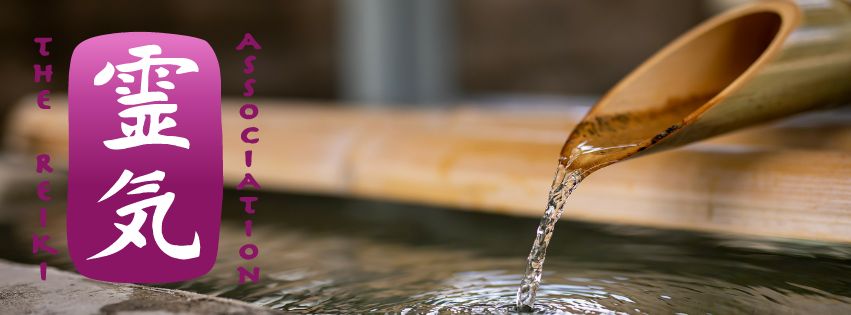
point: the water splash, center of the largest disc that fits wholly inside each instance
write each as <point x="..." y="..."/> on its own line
<point x="565" y="181"/>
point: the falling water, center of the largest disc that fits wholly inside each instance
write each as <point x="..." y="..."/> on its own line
<point x="564" y="182"/>
<point x="598" y="141"/>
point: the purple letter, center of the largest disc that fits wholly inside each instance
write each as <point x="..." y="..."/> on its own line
<point x="244" y="111"/>
<point x="40" y="243"/>
<point x="247" y="180"/>
<point x="248" y="40"/>
<point x="248" y="158"/>
<point x="42" y="45"/>
<point x="254" y="275"/>
<point x="249" y="65"/>
<point x="249" y="89"/>
<point x="43" y="267"/>
<point x="247" y="131"/>
<point x="42" y="99"/>
<point x="42" y="190"/>
<point x="243" y="251"/>
<point x="248" y="201"/>
<point x="42" y="163"/>
<point x="248" y="228"/>
<point x="47" y="73"/>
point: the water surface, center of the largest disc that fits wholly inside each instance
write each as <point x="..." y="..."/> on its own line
<point x="334" y="255"/>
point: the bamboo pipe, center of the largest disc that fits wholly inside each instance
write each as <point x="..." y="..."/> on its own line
<point x="498" y="160"/>
<point x="755" y="63"/>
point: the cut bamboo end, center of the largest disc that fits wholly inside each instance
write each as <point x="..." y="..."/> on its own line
<point x="789" y="180"/>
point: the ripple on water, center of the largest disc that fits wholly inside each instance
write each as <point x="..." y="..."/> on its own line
<point x="363" y="258"/>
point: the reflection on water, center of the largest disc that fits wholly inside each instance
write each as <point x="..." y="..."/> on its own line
<point x="333" y="255"/>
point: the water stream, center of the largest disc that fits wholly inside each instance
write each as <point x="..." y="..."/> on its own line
<point x="599" y="140"/>
<point x="564" y="182"/>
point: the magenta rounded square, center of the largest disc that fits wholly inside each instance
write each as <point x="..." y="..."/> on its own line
<point x="192" y="173"/>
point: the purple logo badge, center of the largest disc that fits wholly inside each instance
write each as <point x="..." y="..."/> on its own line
<point x="145" y="157"/>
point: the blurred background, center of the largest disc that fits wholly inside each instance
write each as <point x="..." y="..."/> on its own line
<point x="401" y="52"/>
<point x="349" y="230"/>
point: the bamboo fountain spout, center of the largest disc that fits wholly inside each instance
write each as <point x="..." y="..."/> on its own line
<point x="752" y="64"/>
<point x="758" y="62"/>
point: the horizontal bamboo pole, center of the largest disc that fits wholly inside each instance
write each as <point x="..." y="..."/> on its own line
<point x="787" y="180"/>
